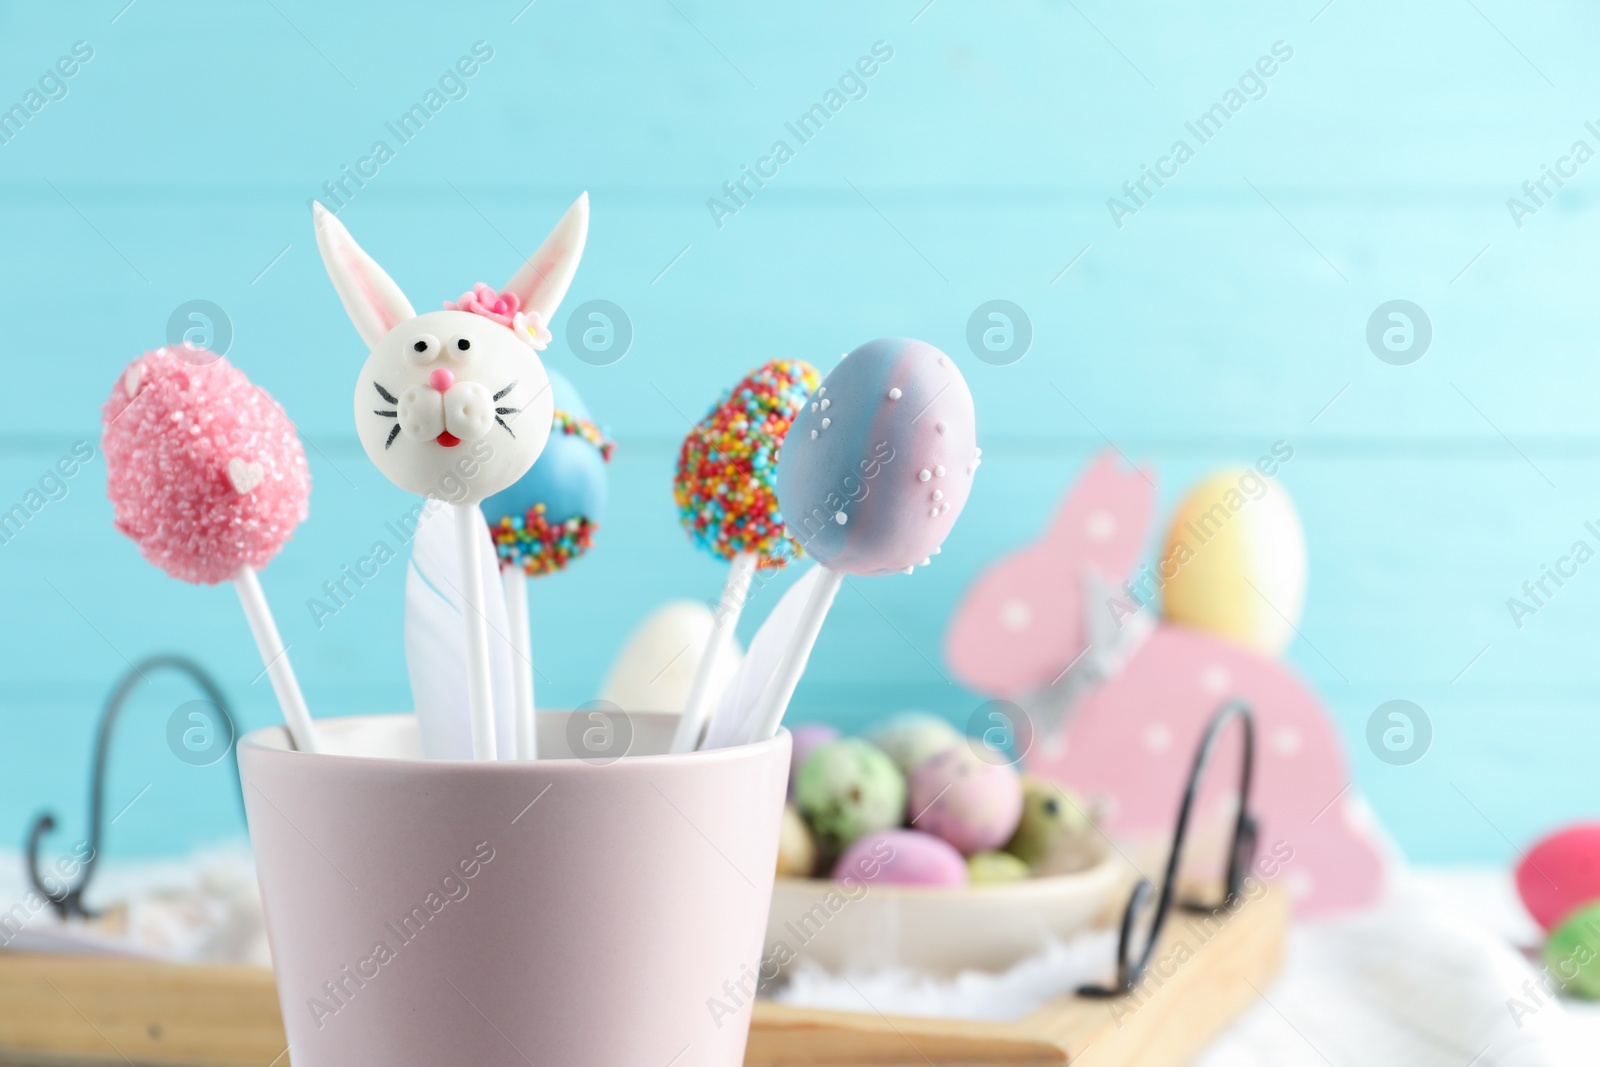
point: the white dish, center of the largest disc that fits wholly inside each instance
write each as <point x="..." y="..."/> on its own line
<point x="871" y="927"/>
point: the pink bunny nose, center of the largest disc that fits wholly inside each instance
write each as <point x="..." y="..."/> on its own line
<point x="441" y="379"/>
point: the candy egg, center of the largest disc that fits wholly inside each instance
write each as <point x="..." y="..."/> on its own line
<point x="911" y="737"/>
<point x="1561" y="873"/>
<point x="971" y="803"/>
<point x="876" y="469"/>
<point x="1050" y="814"/>
<point x="991" y="868"/>
<point x="902" y="857"/>
<point x="848" y="788"/>
<point x="1235" y="561"/>
<point x="547" y="518"/>
<point x="656" y="666"/>
<point x="805" y="739"/>
<point x="797" y="849"/>
<point x="1572" y="953"/>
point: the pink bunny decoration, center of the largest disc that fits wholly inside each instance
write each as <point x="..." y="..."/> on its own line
<point x="1135" y="715"/>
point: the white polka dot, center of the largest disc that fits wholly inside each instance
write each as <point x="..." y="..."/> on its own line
<point x="1286" y="741"/>
<point x="1299" y="883"/>
<point x="1157" y="737"/>
<point x="894" y="394"/>
<point x="1101" y="525"/>
<point x="1016" y="615"/>
<point x="840" y="517"/>
<point x="924" y="475"/>
<point x="1215" y="679"/>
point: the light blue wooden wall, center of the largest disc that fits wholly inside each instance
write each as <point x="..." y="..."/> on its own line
<point x="1224" y="315"/>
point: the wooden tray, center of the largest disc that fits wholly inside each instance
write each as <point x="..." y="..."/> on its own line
<point x="76" y="1011"/>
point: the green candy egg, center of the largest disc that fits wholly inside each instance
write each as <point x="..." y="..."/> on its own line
<point x="848" y="788"/>
<point x="1572" y="954"/>
<point x="1051" y="814"/>
<point x="990" y="868"/>
<point x="913" y="737"/>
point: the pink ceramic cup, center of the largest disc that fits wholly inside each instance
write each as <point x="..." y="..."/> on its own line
<point x="564" y="912"/>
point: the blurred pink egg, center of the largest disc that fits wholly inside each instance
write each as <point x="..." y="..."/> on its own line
<point x="901" y="857"/>
<point x="971" y="803"/>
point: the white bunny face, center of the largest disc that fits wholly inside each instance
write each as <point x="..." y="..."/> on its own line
<point x="454" y="404"/>
<point x="449" y="400"/>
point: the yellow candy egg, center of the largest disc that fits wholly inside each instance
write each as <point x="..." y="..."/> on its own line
<point x="1235" y="561"/>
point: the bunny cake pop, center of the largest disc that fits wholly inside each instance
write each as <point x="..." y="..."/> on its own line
<point x="726" y="502"/>
<point x="455" y="404"/>
<point x="207" y="476"/>
<point x="544" y="521"/>
<point x="873" y="475"/>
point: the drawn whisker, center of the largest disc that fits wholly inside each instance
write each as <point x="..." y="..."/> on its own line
<point x="388" y="397"/>
<point x="502" y="423"/>
<point x="393" y="433"/>
<point x="508" y="411"/>
<point x="386" y="414"/>
<point x="502" y="393"/>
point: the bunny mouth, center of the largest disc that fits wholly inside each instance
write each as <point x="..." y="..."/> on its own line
<point x="447" y="439"/>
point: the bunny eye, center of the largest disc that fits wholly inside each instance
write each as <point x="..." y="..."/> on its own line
<point x="460" y="349"/>
<point x="422" y="349"/>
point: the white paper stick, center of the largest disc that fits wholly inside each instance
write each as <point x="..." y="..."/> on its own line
<point x="471" y="533"/>
<point x="768" y="712"/>
<point x="515" y="582"/>
<point x="262" y="627"/>
<point x="693" y="721"/>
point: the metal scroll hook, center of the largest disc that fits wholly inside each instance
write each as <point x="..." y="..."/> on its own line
<point x="67" y="899"/>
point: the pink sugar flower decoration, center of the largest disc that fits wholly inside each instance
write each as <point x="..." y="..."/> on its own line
<point x="506" y="309"/>
<point x="205" y="471"/>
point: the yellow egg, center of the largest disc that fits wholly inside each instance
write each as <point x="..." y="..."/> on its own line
<point x="1235" y="561"/>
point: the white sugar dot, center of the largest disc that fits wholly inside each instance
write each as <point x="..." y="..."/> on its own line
<point x="945" y="506"/>
<point x="937" y="551"/>
<point x="933" y="513"/>
<point x="826" y="423"/>
<point x="926" y="560"/>
<point x="813" y="407"/>
<point x="822" y="390"/>
<point x="894" y="394"/>
<point x="825" y="404"/>
<point x="924" y="475"/>
<point x="1215" y="679"/>
<point x="813" y="435"/>
<point x="1286" y="741"/>
<point x="938" y="494"/>
<point x="977" y="452"/>
<point x="942" y="426"/>
<point x="1016" y="615"/>
<point x="840" y="517"/>
<point x="1101" y="526"/>
<point x="1157" y="737"/>
<point x="908" y="570"/>
<point x="939" y="471"/>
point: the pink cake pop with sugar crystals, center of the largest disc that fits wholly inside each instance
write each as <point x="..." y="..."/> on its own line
<point x="206" y="473"/>
<point x="207" y="476"/>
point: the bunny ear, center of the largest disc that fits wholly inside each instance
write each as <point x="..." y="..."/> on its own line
<point x="543" y="280"/>
<point x="371" y="298"/>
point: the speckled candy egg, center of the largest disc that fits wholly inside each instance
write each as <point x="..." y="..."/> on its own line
<point x="1561" y="873"/>
<point x="876" y="468"/>
<point x="797" y="849"/>
<point x="912" y="737"/>
<point x="848" y="788"/>
<point x="973" y="804"/>
<point x="1050" y="813"/>
<point x="902" y="857"/>
<point x="995" y="868"/>
<point x="807" y="738"/>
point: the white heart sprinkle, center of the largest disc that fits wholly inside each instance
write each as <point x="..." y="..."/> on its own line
<point x="244" y="475"/>
<point x="133" y="379"/>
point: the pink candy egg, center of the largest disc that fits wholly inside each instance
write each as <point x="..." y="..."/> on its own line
<point x="876" y="468"/>
<point x="902" y="857"/>
<point x="1561" y="874"/>
<point x="971" y="803"/>
<point x="204" y="470"/>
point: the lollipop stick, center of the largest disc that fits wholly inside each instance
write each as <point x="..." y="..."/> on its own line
<point x="470" y="533"/>
<point x="276" y="657"/>
<point x="768" y="712"/>
<point x="515" y="581"/>
<point x="692" y="723"/>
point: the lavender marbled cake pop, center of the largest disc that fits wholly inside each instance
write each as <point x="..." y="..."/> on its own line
<point x="876" y="468"/>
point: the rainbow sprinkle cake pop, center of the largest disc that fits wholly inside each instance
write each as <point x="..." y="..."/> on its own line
<point x="728" y="503"/>
<point x="729" y="462"/>
<point x="207" y="476"/>
<point x="543" y="521"/>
